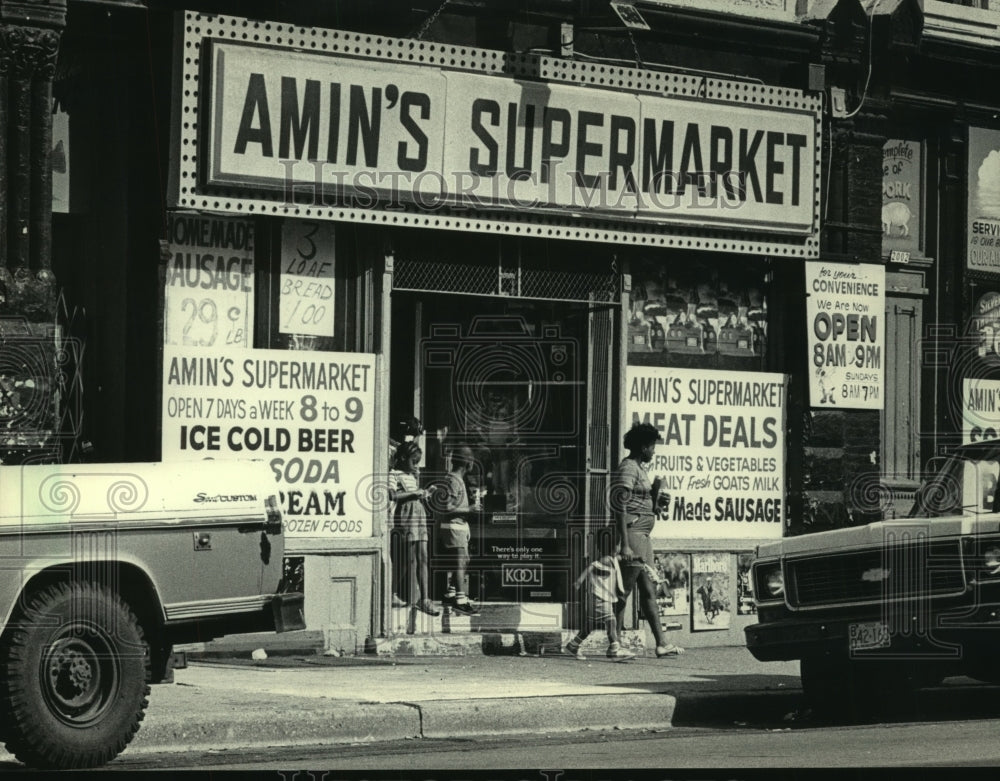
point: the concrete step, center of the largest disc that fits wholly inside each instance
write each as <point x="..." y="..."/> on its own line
<point x="494" y="617"/>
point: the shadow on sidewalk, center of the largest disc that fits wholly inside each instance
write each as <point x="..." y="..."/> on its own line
<point x="713" y="703"/>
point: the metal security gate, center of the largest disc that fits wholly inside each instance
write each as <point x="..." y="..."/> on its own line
<point x="508" y="280"/>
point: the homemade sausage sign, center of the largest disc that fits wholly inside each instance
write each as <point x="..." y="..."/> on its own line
<point x="722" y="458"/>
<point x="309" y="416"/>
<point x="325" y="126"/>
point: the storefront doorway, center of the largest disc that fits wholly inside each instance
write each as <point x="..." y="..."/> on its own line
<point x="508" y="379"/>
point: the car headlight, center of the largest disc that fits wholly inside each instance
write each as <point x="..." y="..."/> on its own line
<point x="991" y="560"/>
<point x="776" y="582"/>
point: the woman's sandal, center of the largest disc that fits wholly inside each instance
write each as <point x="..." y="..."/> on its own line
<point x="668" y="650"/>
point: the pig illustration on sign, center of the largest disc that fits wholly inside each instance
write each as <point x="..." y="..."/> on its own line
<point x="896" y="214"/>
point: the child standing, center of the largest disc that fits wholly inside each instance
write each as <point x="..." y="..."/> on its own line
<point x="411" y="518"/>
<point x="604" y="589"/>
<point x="450" y="502"/>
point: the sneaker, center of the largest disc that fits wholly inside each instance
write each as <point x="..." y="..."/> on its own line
<point x="620" y="654"/>
<point x="426" y="606"/>
<point x="575" y="652"/>
<point x="668" y="650"/>
<point x="465" y="609"/>
<point x="448" y="600"/>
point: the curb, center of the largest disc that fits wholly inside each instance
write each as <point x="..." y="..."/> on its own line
<point x="341" y="723"/>
<point x="373" y="722"/>
<point x="471" y="718"/>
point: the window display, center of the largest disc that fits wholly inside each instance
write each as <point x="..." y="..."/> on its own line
<point x="681" y="313"/>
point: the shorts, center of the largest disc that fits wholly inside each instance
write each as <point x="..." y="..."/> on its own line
<point x="412" y="521"/>
<point x="642" y="548"/>
<point x="416" y="533"/>
<point x="454" y="534"/>
<point x="600" y="611"/>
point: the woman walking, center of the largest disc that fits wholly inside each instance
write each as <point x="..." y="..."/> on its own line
<point x="633" y="503"/>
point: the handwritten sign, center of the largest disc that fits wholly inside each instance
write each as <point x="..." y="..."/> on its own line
<point x="845" y="312"/>
<point x="307" y="278"/>
<point x="208" y="299"/>
<point x="722" y="456"/>
<point x="310" y="416"/>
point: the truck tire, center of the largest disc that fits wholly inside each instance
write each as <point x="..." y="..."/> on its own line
<point x="75" y="671"/>
<point x="857" y="691"/>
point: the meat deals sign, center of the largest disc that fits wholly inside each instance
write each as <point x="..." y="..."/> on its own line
<point x="309" y="416"/>
<point x="722" y="458"/>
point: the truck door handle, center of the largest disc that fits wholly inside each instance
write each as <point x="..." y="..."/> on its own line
<point x="202" y="541"/>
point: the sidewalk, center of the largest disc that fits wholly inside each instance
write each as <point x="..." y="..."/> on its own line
<point x="313" y="699"/>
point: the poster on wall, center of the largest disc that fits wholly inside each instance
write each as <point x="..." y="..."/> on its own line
<point x="310" y="416"/>
<point x="845" y="315"/>
<point x="983" y="236"/>
<point x="306" y="298"/>
<point x="711" y="601"/>
<point x="673" y="592"/>
<point x="208" y="294"/>
<point x="902" y="190"/>
<point x="984" y="326"/>
<point x="722" y="455"/>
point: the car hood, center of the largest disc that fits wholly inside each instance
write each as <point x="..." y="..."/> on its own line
<point x="877" y="534"/>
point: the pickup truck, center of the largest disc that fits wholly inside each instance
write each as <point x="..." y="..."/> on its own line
<point x="876" y="612"/>
<point x="103" y="568"/>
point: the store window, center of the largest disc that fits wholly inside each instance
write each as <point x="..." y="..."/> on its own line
<point x="700" y="315"/>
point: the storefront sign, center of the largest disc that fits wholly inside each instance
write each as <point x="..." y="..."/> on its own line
<point x="319" y="126"/>
<point x="980" y="409"/>
<point x="845" y="312"/>
<point x="309" y="416"/>
<point x="984" y="200"/>
<point x="760" y="9"/>
<point x="902" y="196"/>
<point x="307" y="278"/>
<point x="723" y="450"/>
<point x="208" y="299"/>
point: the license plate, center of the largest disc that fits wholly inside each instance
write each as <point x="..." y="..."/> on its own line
<point x="870" y="634"/>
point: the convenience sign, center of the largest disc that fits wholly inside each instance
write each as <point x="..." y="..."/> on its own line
<point x="323" y="126"/>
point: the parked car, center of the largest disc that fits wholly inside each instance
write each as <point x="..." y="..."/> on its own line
<point x="876" y="612"/>
<point x="104" y="568"/>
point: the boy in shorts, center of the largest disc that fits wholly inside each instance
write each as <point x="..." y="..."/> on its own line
<point x="450" y="503"/>
<point x="604" y="589"/>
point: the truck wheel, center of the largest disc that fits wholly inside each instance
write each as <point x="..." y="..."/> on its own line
<point x="844" y="690"/>
<point x="839" y="690"/>
<point x="75" y="671"/>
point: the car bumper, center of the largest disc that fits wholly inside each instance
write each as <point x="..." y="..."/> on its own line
<point x="941" y="636"/>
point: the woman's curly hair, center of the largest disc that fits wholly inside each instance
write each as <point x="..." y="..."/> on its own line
<point x="640" y="435"/>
